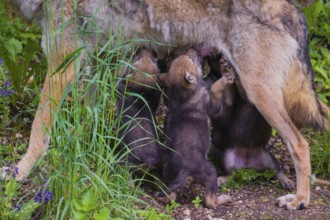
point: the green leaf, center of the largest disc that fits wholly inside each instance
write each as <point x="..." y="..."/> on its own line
<point x="322" y="71"/>
<point x="103" y="214"/>
<point x="11" y="188"/>
<point x="77" y="205"/>
<point x="89" y="201"/>
<point x="68" y="60"/>
<point x="80" y="216"/>
<point x="325" y="52"/>
<point x="13" y="47"/>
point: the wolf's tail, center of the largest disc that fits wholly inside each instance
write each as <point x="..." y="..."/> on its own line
<point x="301" y="100"/>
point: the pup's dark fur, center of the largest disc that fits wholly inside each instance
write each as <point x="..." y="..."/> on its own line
<point x="265" y="40"/>
<point x="240" y="132"/>
<point x="138" y="124"/>
<point x="190" y="105"/>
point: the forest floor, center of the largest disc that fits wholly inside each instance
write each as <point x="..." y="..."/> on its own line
<point x="255" y="200"/>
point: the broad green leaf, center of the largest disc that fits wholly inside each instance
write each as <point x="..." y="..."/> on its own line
<point x="89" y="201"/>
<point x="103" y="214"/>
<point x="80" y="216"/>
<point x="13" y="47"/>
<point x="322" y="71"/>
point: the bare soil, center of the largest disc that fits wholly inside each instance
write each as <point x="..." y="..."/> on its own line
<point x="256" y="201"/>
<point x="253" y="201"/>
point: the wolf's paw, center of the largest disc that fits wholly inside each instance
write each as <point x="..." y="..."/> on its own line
<point x="11" y="172"/>
<point x="4" y="173"/>
<point x="8" y="172"/>
<point x="292" y="202"/>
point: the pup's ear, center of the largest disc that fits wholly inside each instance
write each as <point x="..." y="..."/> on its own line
<point x="189" y="77"/>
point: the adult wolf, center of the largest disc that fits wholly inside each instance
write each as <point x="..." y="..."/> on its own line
<point x="265" y="40"/>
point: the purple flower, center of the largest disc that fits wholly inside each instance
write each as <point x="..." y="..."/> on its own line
<point x="48" y="195"/>
<point x="7" y="84"/>
<point x="5" y="92"/>
<point x="43" y="195"/>
<point x="1" y="61"/>
<point x="38" y="198"/>
<point x="18" y="207"/>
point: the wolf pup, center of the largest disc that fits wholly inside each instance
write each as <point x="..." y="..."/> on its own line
<point x="265" y="40"/>
<point x="187" y="126"/>
<point x="240" y="133"/>
<point x="138" y="124"/>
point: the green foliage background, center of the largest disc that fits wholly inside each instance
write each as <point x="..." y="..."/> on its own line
<point x="97" y="182"/>
<point x="318" y="20"/>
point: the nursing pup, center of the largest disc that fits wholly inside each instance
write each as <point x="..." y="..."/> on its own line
<point x="187" y="127"/>
<point x="138" y="120"/>
<point x="240" y="133"/>
<point x="266" y="41"/>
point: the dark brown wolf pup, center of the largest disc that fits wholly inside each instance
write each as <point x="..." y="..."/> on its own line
<point x="138" y="105"/>
<point x="190" y="104"/>
<point x="239" y="131"/>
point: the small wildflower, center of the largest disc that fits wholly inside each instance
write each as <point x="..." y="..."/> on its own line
<point x="7" y="84"/>
<point x="48" y="195"/>
<point x="43" y="195"/>
<point x="6" y="93"/>
<point x="1" y="61"/>
<point x="7" y="170"/>
<point x="38" y="198"/>
<point x="18" y="207"/>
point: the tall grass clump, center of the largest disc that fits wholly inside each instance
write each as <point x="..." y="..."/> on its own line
<point x="320" y="154"/>
<point x="84" y="165"/>
<point x="87" y="177"/>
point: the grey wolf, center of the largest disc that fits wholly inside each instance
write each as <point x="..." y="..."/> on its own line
<point x="266" y="42"/>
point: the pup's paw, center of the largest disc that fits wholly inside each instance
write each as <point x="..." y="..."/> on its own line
<point x="292" y="202"/>
<point x="224" y="199"/>
<point x="165" y="199"/>
<point x="222" y="180"/>
<point x="286" y="182"/>
<point x="213" y="201"/>
<point x="229" y="77"/>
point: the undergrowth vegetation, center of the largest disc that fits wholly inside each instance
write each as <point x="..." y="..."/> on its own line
<point x="318" y="17"/>
<point x="82" y="176"/>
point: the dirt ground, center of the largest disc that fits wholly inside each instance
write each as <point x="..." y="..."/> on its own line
<point x="253" y="201"/>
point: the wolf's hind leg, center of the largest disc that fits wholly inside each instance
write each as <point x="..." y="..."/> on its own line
<point x="269" y="101"/>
